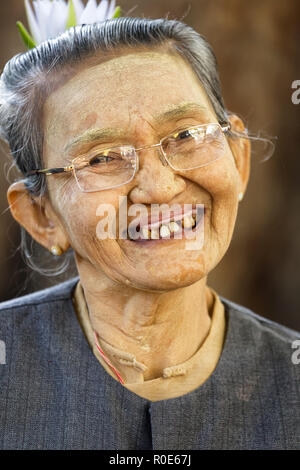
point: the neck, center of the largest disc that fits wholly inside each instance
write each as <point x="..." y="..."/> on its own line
<point x="161" y="329"/>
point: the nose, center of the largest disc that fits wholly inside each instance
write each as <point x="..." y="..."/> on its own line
<point x="155" y="181"/>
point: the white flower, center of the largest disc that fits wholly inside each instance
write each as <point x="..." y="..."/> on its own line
<point x="49" y="18"/>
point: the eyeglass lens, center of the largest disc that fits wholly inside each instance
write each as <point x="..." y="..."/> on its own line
<point x="185" y="150"/>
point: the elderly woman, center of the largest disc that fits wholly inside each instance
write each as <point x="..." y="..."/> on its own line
<point x="137" y="352"/>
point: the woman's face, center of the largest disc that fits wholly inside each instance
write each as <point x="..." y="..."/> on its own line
<point x="126" y="94"/>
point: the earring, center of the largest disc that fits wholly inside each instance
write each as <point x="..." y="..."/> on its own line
<point x="241" y="196"/>
<point x="56" y="250"/>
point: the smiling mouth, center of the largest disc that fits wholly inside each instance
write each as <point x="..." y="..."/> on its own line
<point x="170" y="228"/>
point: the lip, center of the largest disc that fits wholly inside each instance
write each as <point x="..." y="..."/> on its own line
<point x="154" y="220"/>
<point x="199" y="212"/>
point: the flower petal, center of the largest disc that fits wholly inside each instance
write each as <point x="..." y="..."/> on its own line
<point x="33" y="25"/>
<point x="102" y="10"/>
<point x="43" y="10"/>
<point x="111" y="10"/>
<point x="79" y="7"/>
<point x="58" y="18"/>
<point x="89" y="14"/>
<point x="49" y="18"/>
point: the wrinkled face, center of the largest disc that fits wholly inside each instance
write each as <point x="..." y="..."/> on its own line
<point x="126" y="95"/>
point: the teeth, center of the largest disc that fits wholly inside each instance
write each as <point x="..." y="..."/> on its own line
<point x="173" y="227"/>
<point x="164" y="231"/>
<point x="188" y="221"/>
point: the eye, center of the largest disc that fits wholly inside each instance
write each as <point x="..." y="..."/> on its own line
<point x="101" y="158"/>
<point x="184" y="134"/>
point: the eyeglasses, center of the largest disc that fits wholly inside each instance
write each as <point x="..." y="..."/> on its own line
<point x="186" y="149"/>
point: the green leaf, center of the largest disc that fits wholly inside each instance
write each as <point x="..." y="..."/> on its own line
<point x="117" y="13"/>
<point x="72" y="20"/>
<point x="27" y="39"/>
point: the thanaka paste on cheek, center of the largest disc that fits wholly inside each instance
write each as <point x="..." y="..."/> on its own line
<point x="82" y="97"/>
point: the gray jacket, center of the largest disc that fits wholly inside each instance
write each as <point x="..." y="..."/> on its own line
<point x="54" y="394"/>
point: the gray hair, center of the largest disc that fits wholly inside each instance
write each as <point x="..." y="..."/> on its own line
<point x="28" y="79"/>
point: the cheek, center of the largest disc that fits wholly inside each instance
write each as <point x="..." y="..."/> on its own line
<point x="219" y="179"/>
<point x="224" y="190"/>
<point x="82" y="214"/>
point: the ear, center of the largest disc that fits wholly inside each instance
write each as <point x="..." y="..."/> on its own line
<point x="241" y="150"/>
<point x="37" y="217"/>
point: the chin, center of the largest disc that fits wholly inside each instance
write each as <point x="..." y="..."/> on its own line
<point x="164" y="281"/>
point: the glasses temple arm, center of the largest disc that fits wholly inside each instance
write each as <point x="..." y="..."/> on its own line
<point x="51" y="171"/>
<point x="225" y="126"/>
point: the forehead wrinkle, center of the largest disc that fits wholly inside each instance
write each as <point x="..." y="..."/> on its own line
<point x="115" y="66"/>
<point x="173" y="111"/>
<point x="118" y="66"/>
<point x="126" y="61"/>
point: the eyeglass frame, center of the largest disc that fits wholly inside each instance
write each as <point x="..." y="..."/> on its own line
<point x="225" y="127"/>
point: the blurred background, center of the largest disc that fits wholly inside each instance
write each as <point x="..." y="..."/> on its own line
<point x="257" y="45"/>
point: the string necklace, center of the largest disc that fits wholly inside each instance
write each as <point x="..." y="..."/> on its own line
<point x="107" y="360"/>
<point x="102" y="353"/>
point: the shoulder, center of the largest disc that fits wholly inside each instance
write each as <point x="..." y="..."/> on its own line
<point x="57" y="293"/>
<point x="247" y="318"/>
<point x="30" y="323"/>
<point x="258" y="377"/>
<point x="265" y="341"/>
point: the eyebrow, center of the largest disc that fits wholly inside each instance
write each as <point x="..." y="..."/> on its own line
<point x="173" y="112"/>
